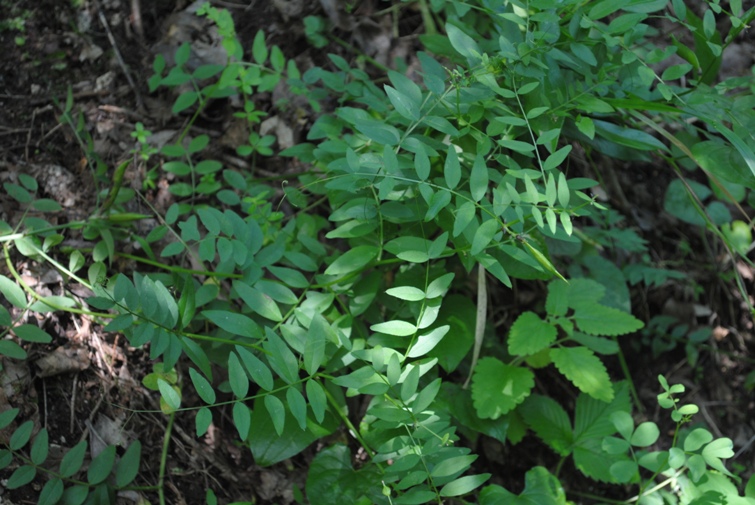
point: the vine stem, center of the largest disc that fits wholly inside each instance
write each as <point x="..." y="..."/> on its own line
<point x="164" y="459"/>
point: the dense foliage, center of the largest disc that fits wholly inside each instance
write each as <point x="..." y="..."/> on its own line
<point x="355" y="298"/>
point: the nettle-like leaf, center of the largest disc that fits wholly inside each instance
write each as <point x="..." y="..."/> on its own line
<point x="597" y="319"/>
<point x="529" y="334"/>
<point x="497" y="387"/>
<point x="549" y="421"/>
<point x="540" y="488"/>
<point x="581" y="366"/>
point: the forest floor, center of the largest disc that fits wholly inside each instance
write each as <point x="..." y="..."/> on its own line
<point x="87" y="384"/>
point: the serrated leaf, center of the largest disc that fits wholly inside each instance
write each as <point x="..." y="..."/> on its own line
<point x="497" y="387"/>
<point x="601" y="320"/>
<point x="549" y="421"/>
<point x="529" y="335"/>
<point x="585" y="370"/>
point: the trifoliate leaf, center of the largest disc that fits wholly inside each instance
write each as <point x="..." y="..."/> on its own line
<point x="529" y="334"/>
<point x="585" y="370"/>
<point x="497" y="387"/>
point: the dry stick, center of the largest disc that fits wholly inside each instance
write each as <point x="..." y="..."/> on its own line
<point x="139" y="102"/>
<point x="482" y="315"/>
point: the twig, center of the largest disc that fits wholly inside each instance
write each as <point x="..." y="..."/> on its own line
<point x="139" y="102"/>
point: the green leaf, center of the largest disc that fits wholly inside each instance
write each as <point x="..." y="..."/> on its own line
<point x="298" y="406"/>
<point x="242" y="419"/>
<point x="71" y="462"/>
<point x="601" y="320"/>
<point x="484" y="235"/>
<point x="21" y="477"/>
<point x="408" y="293"/>
<point x="32" y="333"/>
<point x="258" y="301"/>
<point x="184" y="101"/>
<point x="645" y="435"/>
<point x="259" y="372"/>
<point x="463" y="43"/>
<point x="101" y="466"/>
<point x="12" y="292"/>
<point x="259" y="48"/>
<point x="318" y="334"/>
<point x="426" y="397"/>
<point x="51" y="493"/>
<point x="7" y="417"/>
<point x="397" y="328"/>
<point x="549" y="421"/>
<point x="529" y="335"/>
<point x="403" y="104"/>
<point x="237" y="377"/>
<point x="721" y="448"/>
<point x="585" y="370"/>
<point x="464" y="485"/>
<point x="378" y="131"/>
<point x="280" y="357"/>
<point x="317" y="399"/>
<point x="497" y="387"/>
<point x="540" y="488"/>
<point x="422" y="164"/>
<point x="277" y="412"/>
<point x="238" y="324"/>
<point x="21" y="436"/>
<point x="427" y="342"/>
<point x="169" y="394"/>
<point x="478" y="180"/>
<point x="452" y="168"/>
<point x="202" y="421"/>
<point x="128" y="466"/>
<point x="202" y="386"/>
<point x="11" y="349"/>
<point x="40" y="447"/>
<point x="352" y="260"/>
<point x="333" y="481"/>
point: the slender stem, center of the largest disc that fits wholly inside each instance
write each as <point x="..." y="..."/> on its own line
<point x="164" y="459"/>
